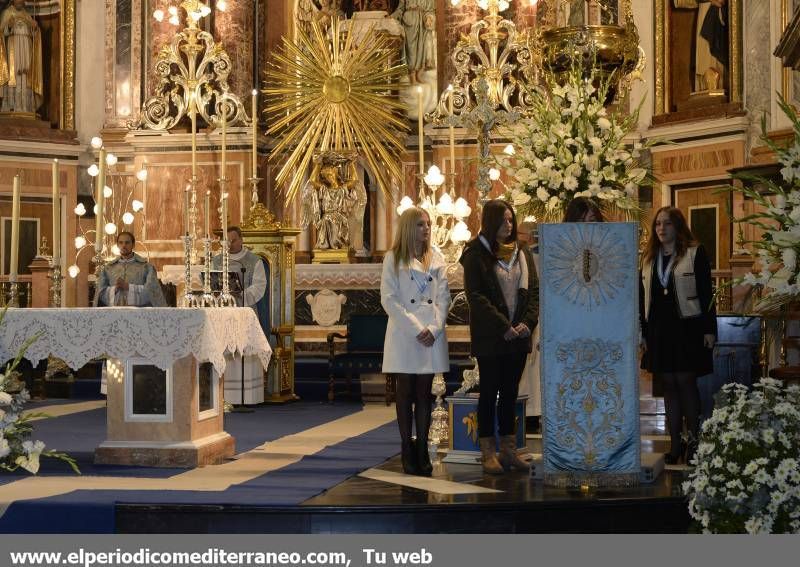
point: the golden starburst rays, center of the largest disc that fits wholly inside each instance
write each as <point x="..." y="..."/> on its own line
<point x="331" y="91"/>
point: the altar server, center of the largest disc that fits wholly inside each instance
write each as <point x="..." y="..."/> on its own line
<point x="679" y="323"/>
<point x="129" y="279"/>
<point x="503" y="296"/>
<point x="416" y="296"/>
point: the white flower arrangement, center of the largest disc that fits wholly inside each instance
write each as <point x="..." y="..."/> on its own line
<point x="747" y="466"/>
<point x="777" y="251"/>
<point x="16" y="448"/>
<point x="571" y="146"/>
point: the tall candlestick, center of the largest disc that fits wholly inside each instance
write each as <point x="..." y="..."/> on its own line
<point x="187" y="194"/>
<point x="420" y="126"/>
<point x="224" y="138"/>
<point x="452" y="138"/>
<point x="99" y="198"/>
<point x="14" y="268"/>
<point x="208" y="213"/>
<point x="225" y="216"/>
<point x="254" y="112"/>
<point x="56" y="215"/>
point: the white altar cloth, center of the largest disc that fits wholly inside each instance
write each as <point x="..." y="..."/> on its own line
<point x="162" y="335"/>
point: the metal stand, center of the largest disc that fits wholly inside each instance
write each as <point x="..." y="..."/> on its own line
<point x="189" y="298"/>
<point x="437" y="433"/>
<point x="13" y="294"/>
<point x="55" y="283"/>
<point x="208" y="299"/>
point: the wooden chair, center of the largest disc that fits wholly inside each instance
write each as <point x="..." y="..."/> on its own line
<point x="363" y="355"/>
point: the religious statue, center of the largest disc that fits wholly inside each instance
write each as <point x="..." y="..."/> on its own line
<point x="21" y="84"/>
<point x="711" y="44"/>
<point x="418" y="18"/>
<point x="328" y="200"/>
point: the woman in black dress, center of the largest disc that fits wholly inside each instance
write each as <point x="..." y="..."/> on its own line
<point x="679" y="324"/>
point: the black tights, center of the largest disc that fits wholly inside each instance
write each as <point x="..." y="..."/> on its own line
<point x="413" y="391"/>
<point x="681" y="400"/>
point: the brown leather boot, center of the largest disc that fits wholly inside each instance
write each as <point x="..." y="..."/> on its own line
<point x="488" y="456"/>
<point x="508" y="457"/>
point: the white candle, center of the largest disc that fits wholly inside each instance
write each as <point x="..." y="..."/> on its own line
<point x="420" y="126"/>
<point x="193" y="115"/>
<point x="56" y="215"/>
<point x="452" y="139"/>
<point x="254" y="112"/>
<point x="224" y="138"/>
<point x="14" y="268"/>
<point x="99" y="198"/>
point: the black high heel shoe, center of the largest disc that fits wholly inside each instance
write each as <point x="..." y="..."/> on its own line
<point x="408" y="456"/>
<point x="423" y="459"/>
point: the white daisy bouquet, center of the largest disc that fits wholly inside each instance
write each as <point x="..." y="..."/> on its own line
<point x="570" y="146"/>
<point x="747" y="466"/>
<point x="17" y="450"/>
<point x="779" y="218"/>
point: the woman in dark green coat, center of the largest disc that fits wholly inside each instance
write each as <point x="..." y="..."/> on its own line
<point x="503" y="297"/>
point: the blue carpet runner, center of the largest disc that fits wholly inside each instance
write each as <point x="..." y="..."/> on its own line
<point x="92" y="511"/>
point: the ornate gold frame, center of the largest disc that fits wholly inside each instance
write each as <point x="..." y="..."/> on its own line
<point x="67" y="118"/>
<point x="786" y="72"/>
<point x="661" y="63"/>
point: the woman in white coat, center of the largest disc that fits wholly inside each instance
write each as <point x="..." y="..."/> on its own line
<point x="416" y="296"/>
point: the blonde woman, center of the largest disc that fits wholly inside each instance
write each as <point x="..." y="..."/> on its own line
<point x="416" y="296"/>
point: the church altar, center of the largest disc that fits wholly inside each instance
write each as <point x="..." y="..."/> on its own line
<point x="165" y="364"/>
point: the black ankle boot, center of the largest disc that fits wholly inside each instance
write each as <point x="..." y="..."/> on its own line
<point x="409" y="458"/>
<point x="423" y="459"/>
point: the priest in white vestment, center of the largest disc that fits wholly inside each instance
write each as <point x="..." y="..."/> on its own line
<point x="252" y="269"/>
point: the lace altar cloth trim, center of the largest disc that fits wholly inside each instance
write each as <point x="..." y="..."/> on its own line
<point x="160" y="335"/>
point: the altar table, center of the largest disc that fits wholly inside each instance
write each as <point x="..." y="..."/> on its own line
<point x="165" y="373"/>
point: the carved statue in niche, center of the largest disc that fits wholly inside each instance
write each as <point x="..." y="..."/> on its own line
<point x="710" y="62"/>
<point x="418" y="18"/>
<point x="21" y="77"/>
<point x="329" y="199"/>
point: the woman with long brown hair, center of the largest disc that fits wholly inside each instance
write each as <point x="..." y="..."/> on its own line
<point x="416" y="296"/>
<point x="503" y="298"/>
<point x="679" y="324"/>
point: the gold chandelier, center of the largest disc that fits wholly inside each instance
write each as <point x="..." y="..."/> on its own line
<point x="328" y="93"/>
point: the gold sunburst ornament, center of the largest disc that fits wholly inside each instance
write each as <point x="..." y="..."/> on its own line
<point x="333" y="91"/>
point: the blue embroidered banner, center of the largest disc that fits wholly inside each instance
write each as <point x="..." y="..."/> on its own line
<point x="589" y="344"/>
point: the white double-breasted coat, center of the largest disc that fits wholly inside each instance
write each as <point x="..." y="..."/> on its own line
<point x="415" y="299"/>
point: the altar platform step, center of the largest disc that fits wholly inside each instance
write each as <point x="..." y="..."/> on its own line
<point x="457" y="499"/>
